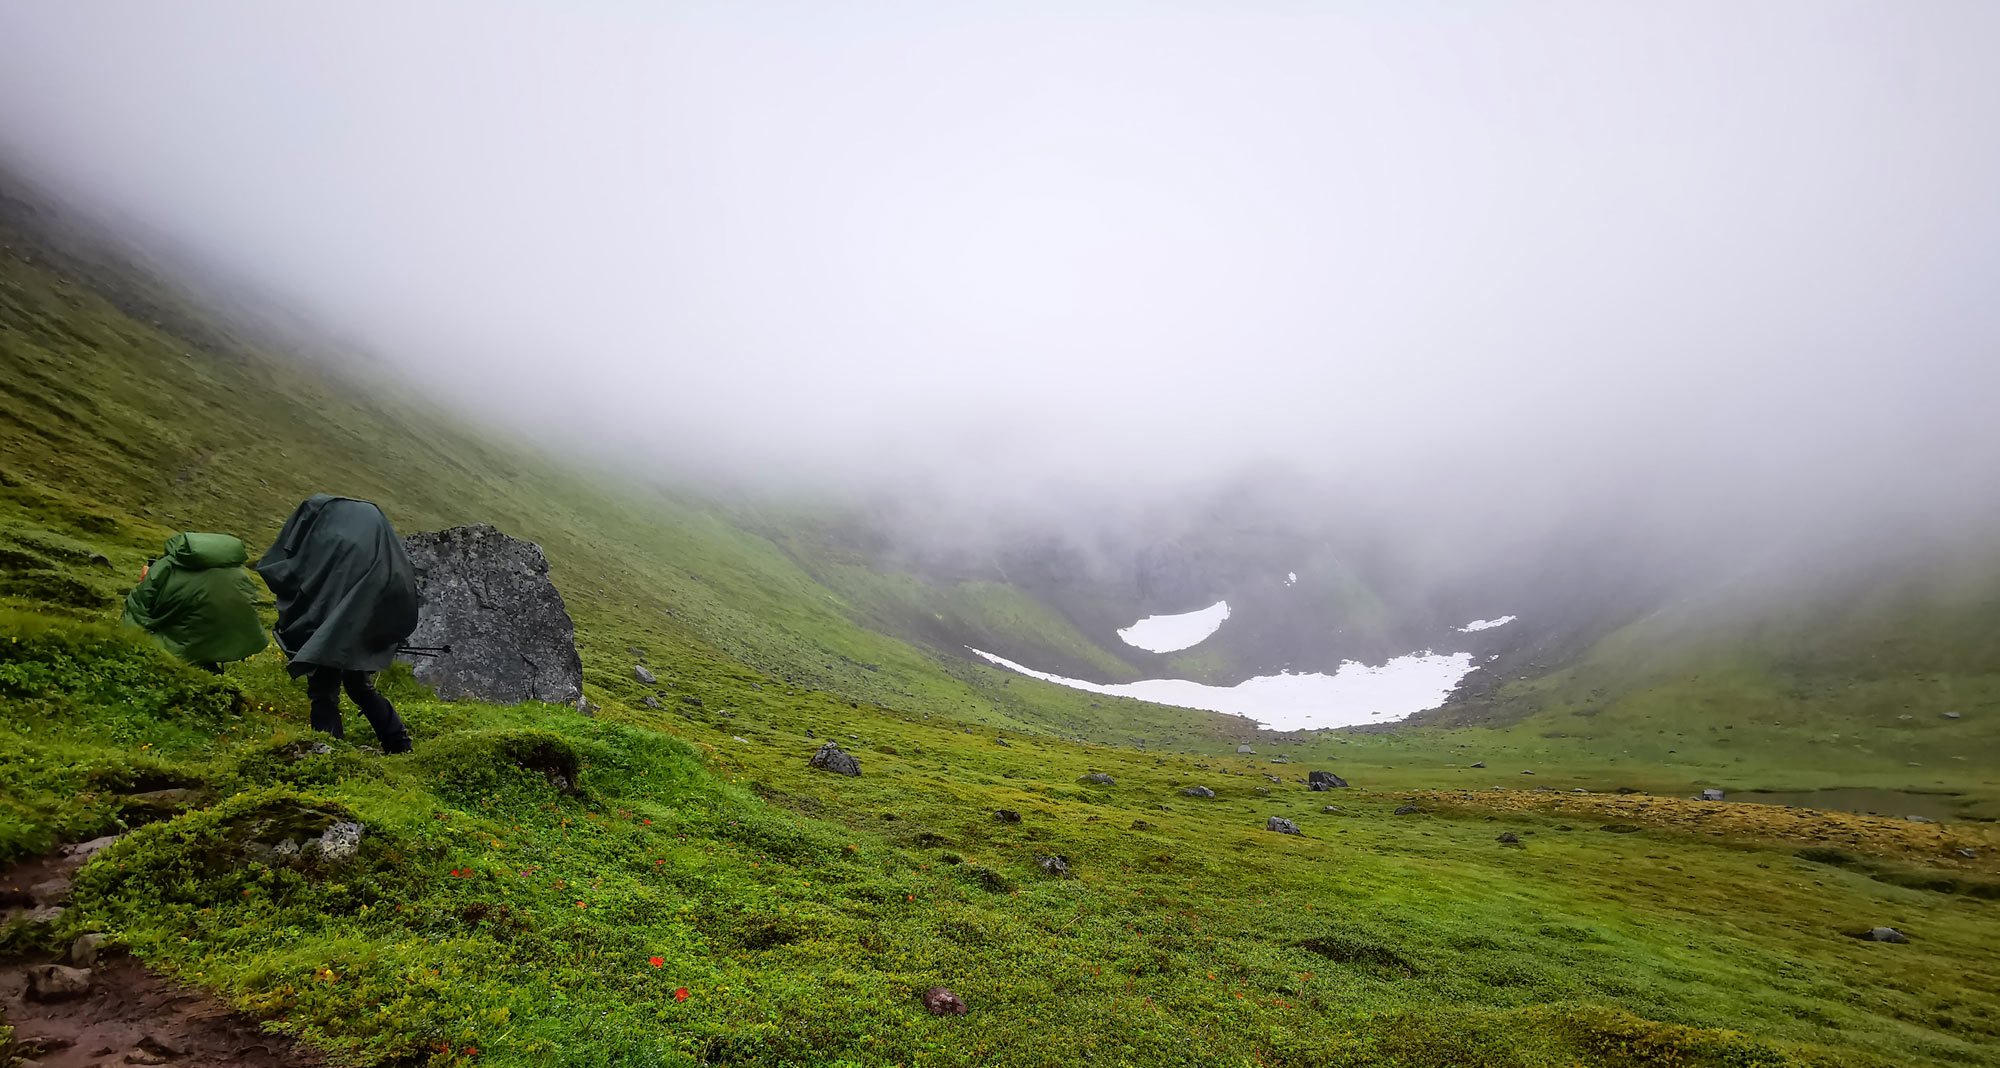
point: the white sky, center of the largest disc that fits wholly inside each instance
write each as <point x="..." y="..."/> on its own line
<point x="1698" y="255"/>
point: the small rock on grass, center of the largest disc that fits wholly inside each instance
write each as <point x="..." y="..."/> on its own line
<point x="1330" y="808"/>
<point x="941" y="1002"/>
<point x="1053" y="864"/>
<point x="1481" y="764"/>
<point x="1282" y="825"/>
<point x="1197" y="791"/>
<point x="1508" y="838"/>
<point x="1007" y="815"/>
<point x="1098" y="778"/>
<point x="639" y="672"/>
<point x="1141" y="825"/>
<point x="1883" y="934"/>
<point x="1407" y="809"/>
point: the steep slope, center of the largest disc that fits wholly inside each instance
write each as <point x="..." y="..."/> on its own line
<point x="189" y="425"/>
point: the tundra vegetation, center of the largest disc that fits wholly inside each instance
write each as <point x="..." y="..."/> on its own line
<point x="676" y="885"/>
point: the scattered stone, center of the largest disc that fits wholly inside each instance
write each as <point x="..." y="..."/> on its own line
<point x="1525" y="771"/>
<point x="1578" y="790"/>
<point x="695" y="701"/>
<point x="56" y="982"/>
<point x="1282" y="825"/>
<point x="1268" y="777"/>
<point x="1197" y="791"/>
<point x="754" y="686"/>
<point x="941" y="1002"/>
<point x="84" y="851"/>
<point x="1324" y="780"/>
<point x="1407" y="809"/>
<point x="1264" y="790"/>
<point x="1330" y="809"/>
<point x="1002" y="743"/>
<point x="1141" y="825"/>
<point x="739" y="739"/>
<point x="1007" y="815"/>
<point x="1884" y="934"/>
<point x="650" y="701"/>
<point x="50" y="891"/>
<point x="1920" y="819"/>
<point x="1481" y="764"/>
<point x="639" y="672"/>
<point x="831" y="758"/>
<point x="503" y="633"/>
<point x="1099" y="778"/>
<point x="1951" y="715"/>
<point x="1053" y="865"/>
<point x="83" y="952"/>
<point x="1618" y="828"/>
<point x="152" y="1043"/>
<point x="1968" y="854"/>
<point x="636" y="651"/>
<point x="810" y="734"/>
<point x="340" y="841"/>
<point x="1508" y="838"/>
<point x="586" y="706"/>
<point x="1711" y="795"/>
<point x="1244" y="750"/>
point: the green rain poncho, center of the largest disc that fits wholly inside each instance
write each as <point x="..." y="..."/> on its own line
<point x="347" y="595"/>
<point x="198" y="602"/>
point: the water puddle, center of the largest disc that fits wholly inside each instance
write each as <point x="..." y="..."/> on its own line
<point x="1171" y="634"/>
<point x="1354" y="694"/>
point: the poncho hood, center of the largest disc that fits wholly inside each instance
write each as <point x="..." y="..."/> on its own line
<point x="200" y="551"/>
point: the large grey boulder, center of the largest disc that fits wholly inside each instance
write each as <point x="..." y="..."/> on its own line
<point x="831" y="757"/>
<point x="488" y="597"/>
<point x="1282" y="825"/>
<point x="1324" y="780"/>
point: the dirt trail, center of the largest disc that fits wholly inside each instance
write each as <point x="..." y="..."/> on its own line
<point x="123" y="1014"/>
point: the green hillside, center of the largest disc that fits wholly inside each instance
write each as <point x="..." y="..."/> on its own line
<point x="538" y="887"/>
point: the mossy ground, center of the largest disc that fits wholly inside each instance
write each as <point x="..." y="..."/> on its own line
<point x="492" y="916"/>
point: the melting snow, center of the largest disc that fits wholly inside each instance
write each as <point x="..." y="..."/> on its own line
<point x="1485" y="624"/>
<point x="1169" y="634"/>
<point x="1355" y="693"/>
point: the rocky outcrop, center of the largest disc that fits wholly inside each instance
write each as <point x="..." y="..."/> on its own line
<point x="830" y="757"/>
<point x="486" y="603"/>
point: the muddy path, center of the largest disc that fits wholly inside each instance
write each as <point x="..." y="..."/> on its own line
<point x="98" y="1007"/>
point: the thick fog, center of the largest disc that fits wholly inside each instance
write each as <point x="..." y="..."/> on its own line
<point x="1704" y="264"/>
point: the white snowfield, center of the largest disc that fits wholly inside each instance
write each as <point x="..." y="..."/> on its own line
<point x="1171" y="634"/>
<point x="1485" y="624"/>
<point x="1354" y="694"/>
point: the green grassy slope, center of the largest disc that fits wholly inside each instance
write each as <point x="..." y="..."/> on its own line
<point x="493" y="918"/>
<point x="104" y="408"/>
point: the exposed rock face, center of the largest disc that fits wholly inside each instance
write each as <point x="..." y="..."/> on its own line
<point x="1324" y="780"/>
<point x="830" y="757"/>
<point x="488" y="597"/>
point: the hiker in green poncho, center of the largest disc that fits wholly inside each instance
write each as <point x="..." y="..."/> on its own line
<point x="198" y="602"/>
<point x="347" y="598"/>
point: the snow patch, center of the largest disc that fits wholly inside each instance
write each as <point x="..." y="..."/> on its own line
<point x="1355" y="693"/>
<point x="1485" y="624"/>
<point x="1171" y="634"/>
<point x="1291" y="578"/>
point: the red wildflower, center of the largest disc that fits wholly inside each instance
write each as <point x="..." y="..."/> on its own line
<point x="681" y="994"/>
<point x="656" y="961"/>
<point x="648" y="821"/>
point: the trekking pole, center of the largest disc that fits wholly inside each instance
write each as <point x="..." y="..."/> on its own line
<point x="424" y="650"/>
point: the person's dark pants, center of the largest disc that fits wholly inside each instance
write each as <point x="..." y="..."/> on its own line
<point x="323" y="687"/>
